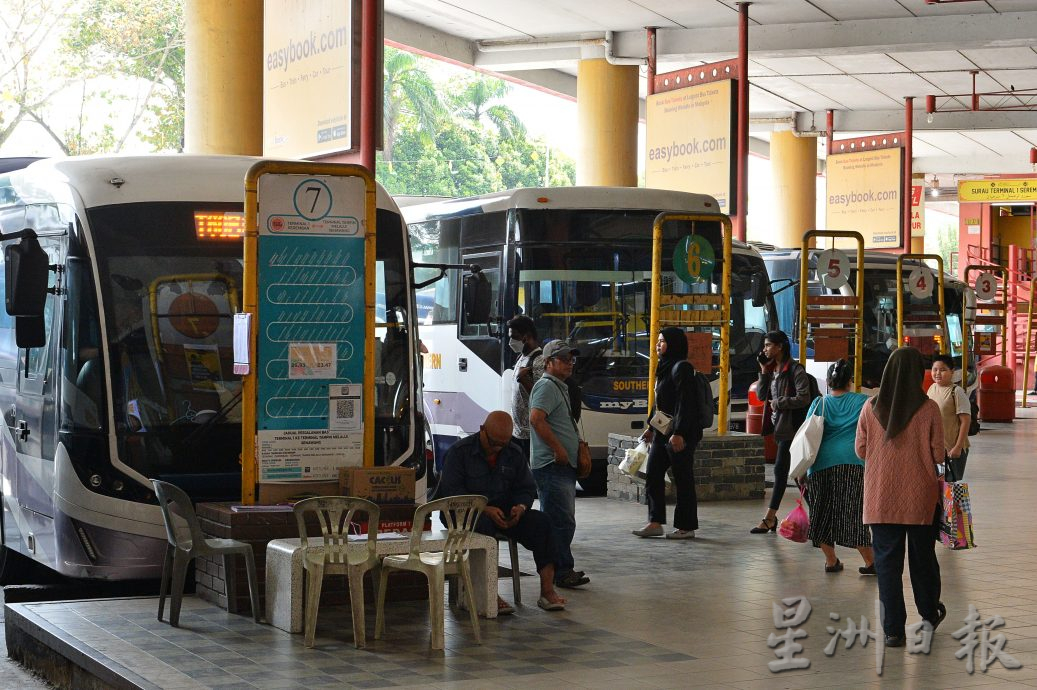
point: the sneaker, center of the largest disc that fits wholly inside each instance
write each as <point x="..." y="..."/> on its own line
<point x="867" y="569"/>
<point x="681" y="534"/>
<point x="572" y="579"/>
<point x="895" y="640"/>
<point x="941" y="613"/>
<point x="648" y="532"/>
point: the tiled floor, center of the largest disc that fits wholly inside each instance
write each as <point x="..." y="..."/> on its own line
<point x="657" y="614"/>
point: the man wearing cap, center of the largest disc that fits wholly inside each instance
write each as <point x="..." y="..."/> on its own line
<point x="490" y="464"/>
<point x="554" y="444"/>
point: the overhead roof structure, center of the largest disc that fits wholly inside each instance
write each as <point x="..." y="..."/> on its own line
<point x="860" y="59"/>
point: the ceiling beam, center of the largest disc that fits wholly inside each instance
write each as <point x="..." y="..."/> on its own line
<point x="893" y="121"/>
<point x="855" y="37"/>
<point x="975" y="165"/>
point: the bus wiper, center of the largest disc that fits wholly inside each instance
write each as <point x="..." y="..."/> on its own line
<point x="203" y="429"/>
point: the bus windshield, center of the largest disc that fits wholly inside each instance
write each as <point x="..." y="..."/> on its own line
<point x="169" y="300"/>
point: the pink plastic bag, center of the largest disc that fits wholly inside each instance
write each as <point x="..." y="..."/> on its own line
<point x="796" y="525"/>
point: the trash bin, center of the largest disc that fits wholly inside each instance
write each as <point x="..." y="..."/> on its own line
<point x="996" y="397"/>
<point x="754" y="424"/>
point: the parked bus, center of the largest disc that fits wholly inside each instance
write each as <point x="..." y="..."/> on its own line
<point x="577" y="260"/>
<point x="130" y="376"/>
<point x="880" y="311"/>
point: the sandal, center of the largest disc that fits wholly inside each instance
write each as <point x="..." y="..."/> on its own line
<point x="504" y="608"/>
<point x="834" y="568"/>
<point x="765" y="526"/>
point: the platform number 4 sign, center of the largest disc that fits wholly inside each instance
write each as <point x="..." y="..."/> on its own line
<point x="920" y="282"/>
<point x="986" y="286"/>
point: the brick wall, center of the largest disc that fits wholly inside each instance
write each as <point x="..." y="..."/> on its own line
<point x="727" y="468"/>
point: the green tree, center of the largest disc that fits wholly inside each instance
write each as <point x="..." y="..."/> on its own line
<point x="140" y="40"/>
<point x="478" y="100"/>
<point x="408" y="92"/>
<point x="28" y="80"/>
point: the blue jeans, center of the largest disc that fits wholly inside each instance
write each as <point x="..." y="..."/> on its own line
<point x="556" y="487"/>
<point x="888" y="542"/>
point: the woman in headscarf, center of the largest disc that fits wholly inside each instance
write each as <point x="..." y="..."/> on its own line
<point x="900" y="437"/>
<point x="674" y="395"/>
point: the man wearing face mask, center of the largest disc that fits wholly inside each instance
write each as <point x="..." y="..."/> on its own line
<point x="529" y="367"/>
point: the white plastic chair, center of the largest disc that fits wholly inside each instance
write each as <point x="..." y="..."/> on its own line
<point x="460" y="514"/>
<point x="339" y="556"/>
<point x="185" y="544"/>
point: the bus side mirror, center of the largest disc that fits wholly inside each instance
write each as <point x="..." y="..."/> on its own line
<point x="26" y="278"/>
<point x="29" y="332"/>
<point x="759" y="289"/>
<point x="477" y="297"/>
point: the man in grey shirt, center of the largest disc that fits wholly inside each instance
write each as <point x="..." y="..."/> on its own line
<point x="529" y="367"/>
<point x="554" y="445"/>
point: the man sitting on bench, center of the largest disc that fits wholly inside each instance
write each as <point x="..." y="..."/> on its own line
<point x="489" y="464"/>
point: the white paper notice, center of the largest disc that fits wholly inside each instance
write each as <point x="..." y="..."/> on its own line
<point x="306" y="454"/>
<point x="973" y="229"/>
<point x="242" y="326"/>
<point x="345" y="408"/>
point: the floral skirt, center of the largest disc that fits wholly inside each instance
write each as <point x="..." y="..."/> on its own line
<point x="835" y="497"/>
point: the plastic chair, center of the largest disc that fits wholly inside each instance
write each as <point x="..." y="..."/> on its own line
<point x="516" y="585"/>
<point x="186" y="542"/>
<point x="460" y="513"/>
<point x="335" y="513"/>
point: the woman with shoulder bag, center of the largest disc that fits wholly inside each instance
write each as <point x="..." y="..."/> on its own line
<point x="835" y="482"/>
<point x="674" y="396"/>
<point x="785" y="384"/>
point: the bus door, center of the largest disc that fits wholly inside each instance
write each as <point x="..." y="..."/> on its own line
<point x="191" y="332"/>
<point x="32" y="423"/>
<point x="481" y="341"/>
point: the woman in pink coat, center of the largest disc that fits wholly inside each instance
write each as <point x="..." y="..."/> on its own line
<point x="900" y="437"/>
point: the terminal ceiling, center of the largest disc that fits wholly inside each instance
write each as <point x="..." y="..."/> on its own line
<point x="860" y="59"/>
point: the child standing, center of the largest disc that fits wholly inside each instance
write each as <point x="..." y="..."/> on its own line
<point x="955" y="411"/>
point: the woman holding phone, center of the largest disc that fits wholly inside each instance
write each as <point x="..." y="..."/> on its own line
<point x="784" y="382"/>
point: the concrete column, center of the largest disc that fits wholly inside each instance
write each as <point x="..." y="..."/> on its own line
<point x="918" y="246"/>
<point x="606" y="111"/>
<point x="794" y="172"/>
<point x="224" y="77"/>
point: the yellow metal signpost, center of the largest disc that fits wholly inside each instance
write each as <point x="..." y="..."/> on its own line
<point x="921" y="313"/>
<point x="695" y="310"/>
<point x="321" y="214"/>
<point x="831" y="313"/>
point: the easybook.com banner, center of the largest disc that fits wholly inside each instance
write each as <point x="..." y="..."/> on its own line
<point x="864" y="191"/>
<point x="691" y="141"/>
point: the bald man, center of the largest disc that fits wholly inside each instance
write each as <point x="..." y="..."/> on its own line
<point x="489" y="464"/>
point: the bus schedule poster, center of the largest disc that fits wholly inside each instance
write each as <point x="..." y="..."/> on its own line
<point x="311" y="330"/>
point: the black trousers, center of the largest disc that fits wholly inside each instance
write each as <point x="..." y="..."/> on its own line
<point x="888" y="542"/>
<point x="782" y="464"/>
<point x="660" y="459"/>
<point x="533" y="531"/>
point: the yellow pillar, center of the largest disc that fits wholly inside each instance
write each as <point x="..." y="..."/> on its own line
<point x="224" y="77"/>
<point x="794" y="175"/>
<point x="918" y="245"/>
<point x="606" y="112"/>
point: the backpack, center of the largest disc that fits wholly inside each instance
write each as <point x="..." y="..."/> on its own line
<point x="702" y="394"/>
<point x="815" y="390"/>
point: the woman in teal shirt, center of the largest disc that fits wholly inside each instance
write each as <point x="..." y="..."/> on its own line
<point x="835" y="482"/>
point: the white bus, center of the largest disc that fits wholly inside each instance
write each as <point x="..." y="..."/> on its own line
<point x="128" y="374"/>
<point x="577" y="260"/>
<point x="880" y="311"/>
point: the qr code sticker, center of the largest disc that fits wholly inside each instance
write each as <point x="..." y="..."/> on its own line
<point x="344" y="409"/>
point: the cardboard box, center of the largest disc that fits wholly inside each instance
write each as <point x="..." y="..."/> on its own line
<point x="394" y="517"/>
<point x="271" y="493"/>
<point x="382" y="485"/>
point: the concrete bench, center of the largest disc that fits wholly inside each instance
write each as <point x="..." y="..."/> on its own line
<point x="285" y="575"/>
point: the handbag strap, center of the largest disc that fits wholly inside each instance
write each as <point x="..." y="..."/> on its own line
<point x="568" y="408"/>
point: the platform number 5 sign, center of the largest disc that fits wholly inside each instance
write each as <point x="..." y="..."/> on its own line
<point x="833" y="268"/>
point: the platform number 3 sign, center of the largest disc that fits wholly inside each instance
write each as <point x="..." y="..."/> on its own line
<point x="986" y="286"/>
